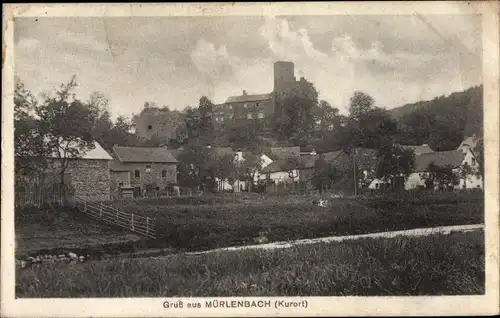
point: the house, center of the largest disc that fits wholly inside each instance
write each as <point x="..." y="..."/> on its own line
<point x="139" y="167"/>
<point x="454" y="158"/>
<point x="418" y="150"/>
<point x="363" y="157"/>
<point x="457" y="159"/>
<point x="239" y="184"/>
<point x="281" y="171"/>
<point x="87" y="173"/>
<point x="469" y="143"/>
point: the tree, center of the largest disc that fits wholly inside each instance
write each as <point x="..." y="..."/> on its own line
<point x="206" y="127"/>
<point x="445" y="136"/>
<point x="194" y="165"/>
<point x="367" y="126"/>
<point x="394" y="163"/>
<point x="326" y="118"/>
<point x="295" y="123"/>
<point x="99" y="106"/>
<point x="29" y="151"/>
<point x="67" y="125"/>
<point x="249" y="167"/>
<point x="244" y="135"/>
<point x="325" y="174"/>
<point x="442" y="176"/>
<point x="361" y="104"/>
<point x="224" y="168"/>
<point x="464" y="172"/>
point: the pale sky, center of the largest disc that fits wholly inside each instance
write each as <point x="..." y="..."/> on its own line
<point x="175" y="60"/>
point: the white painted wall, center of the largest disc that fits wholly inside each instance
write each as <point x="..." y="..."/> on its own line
<point x="226" y="186"/>
<point x="472" y="181"/>
<point x="282" y="176"/>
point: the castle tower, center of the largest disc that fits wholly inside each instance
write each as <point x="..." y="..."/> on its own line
<point x="284" y="82"/>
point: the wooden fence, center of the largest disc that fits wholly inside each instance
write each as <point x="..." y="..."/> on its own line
<point x="38" y="198"/>
<point x="97" y="210"/>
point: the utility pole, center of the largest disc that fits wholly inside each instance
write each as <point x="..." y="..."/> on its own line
<point x="354" y="172"/>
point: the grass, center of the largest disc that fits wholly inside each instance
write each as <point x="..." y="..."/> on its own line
<point x="202" y="225"/>
<point x="49" y="230"/>
<point x="433" y="265"/>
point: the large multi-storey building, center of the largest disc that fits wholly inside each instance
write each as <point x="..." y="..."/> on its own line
<point x="260" y="106"/>
<point x="154" y="122"/>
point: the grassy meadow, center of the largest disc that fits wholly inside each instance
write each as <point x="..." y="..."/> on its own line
<point x="223" y="220"/>
<point x="433" y="265"/>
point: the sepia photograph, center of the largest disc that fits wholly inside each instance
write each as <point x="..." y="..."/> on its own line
<point x="250" y="161"/>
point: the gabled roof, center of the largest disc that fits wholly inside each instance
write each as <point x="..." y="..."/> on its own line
<point x="470" y="141"/>
<point x="419" y="149"/>
<point x="98" y="153"/>
<point x="280" y="165"/>
<point x="454" y="158"/>
<point x="340" y="158"/>
<point x="276" y="153"/>
<point x="143" y="154"/>
<point x="308" y="161"/>
<point x="248" y="98"/>
<point x="222" y="151"/>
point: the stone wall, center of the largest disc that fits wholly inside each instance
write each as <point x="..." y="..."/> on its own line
<point x="153" y="122"/>
<point x="89" y="178"/>
<point x="242" y="109"/>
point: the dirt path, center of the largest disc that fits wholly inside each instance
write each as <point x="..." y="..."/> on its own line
<point x="408" y="233"/>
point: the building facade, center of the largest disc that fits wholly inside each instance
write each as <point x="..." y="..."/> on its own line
<point x="260" y="106"/>
<point x="155" y="122"/>
<point x="87" y="175"/>
<point x="141" y="167"/>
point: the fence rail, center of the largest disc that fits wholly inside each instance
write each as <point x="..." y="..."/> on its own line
<point x="136" y="223"/>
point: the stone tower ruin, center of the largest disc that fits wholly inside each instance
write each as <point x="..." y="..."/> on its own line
<point x="284" y="82"/>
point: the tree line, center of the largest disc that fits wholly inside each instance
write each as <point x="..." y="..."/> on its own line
<point x="56" y="123"/>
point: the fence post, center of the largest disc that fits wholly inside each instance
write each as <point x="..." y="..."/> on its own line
<point x="100" y="210"/>
<point x="132" y="222"/>
<point x="147" y="226"/>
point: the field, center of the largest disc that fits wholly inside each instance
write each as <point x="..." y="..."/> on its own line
<point x="224" y="220"/>
<point x="434" y="265"/>
<point x="46" y="229"/>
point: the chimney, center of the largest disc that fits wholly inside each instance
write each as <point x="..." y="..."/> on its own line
<point x="244" y="93"/>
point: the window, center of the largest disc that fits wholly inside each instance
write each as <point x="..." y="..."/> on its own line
<point x="164" y="173"/>
<point x="137" y="173"/>
<point x="120" y="184"/>
<point x="261" y="115"/>
<point x="473" y="161"/>
<point x="148" y="168"/>
<point x="249" y="116"/>
<point x="150" y="127"/>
